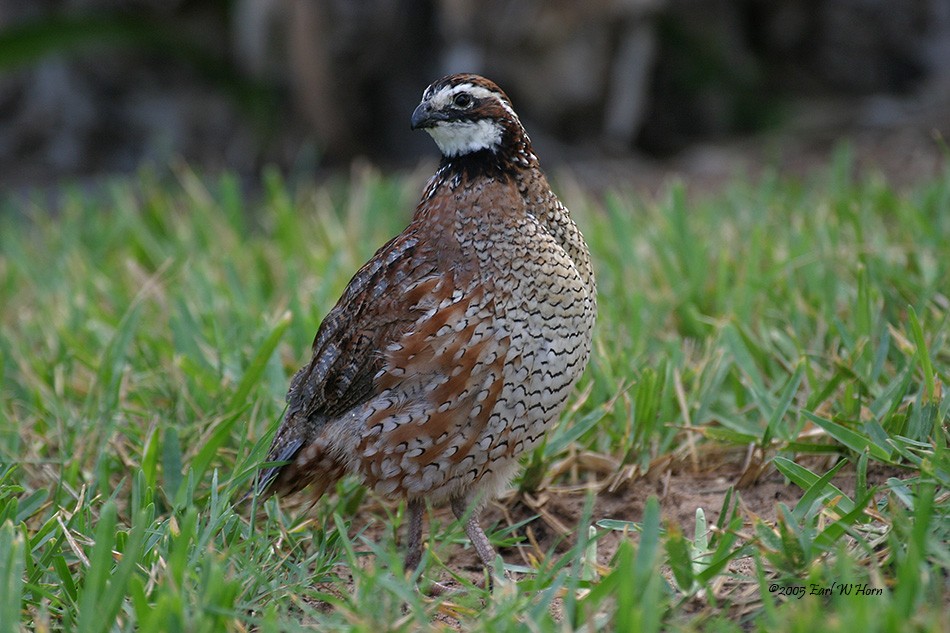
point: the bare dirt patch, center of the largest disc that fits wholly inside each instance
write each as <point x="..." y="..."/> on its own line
<point x="550" y="519"/>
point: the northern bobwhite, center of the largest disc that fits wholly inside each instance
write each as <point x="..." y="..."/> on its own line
<point x="455" y="347"/>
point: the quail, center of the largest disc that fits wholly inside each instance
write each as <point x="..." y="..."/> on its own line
<point x="454" y="349"/>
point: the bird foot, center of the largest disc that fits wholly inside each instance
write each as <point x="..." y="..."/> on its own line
<point x="437" y="589"/>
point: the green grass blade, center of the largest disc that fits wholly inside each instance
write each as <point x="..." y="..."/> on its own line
<point x="851" y="439"/>
<point x="93" y="591"/>
<point x="679" y="557"/>
<point x="923" y="356"/>
<point x="817" y="491"/>
<point x="217" y="439"/>
<point x="255" y="369"/>
<point x="784" y="402"/>
<point x="108" y="608"/>
<point x="12" y="566"/>
<point x="806" y="480"/>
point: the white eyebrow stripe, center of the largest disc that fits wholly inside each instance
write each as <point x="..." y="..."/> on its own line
<point x="446" y="94"/>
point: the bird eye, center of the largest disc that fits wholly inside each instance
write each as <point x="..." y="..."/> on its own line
<point x="463" y="100"/>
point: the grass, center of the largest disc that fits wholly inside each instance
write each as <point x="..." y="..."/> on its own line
<point x="150" y="328"/>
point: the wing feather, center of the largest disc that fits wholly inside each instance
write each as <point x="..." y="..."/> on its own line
<point x="349" y="347"/>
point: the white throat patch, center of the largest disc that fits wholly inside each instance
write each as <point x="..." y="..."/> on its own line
<point x="456" y="138"/>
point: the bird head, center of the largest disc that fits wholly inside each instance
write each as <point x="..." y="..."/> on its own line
<point x="467" y="113"/>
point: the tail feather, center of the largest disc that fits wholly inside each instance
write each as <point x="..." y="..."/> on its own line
<point x="279" y="457"/>
<point x="284" y="473"/>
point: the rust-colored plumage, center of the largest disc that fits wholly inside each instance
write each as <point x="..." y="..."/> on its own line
<point x="456" y="346"/>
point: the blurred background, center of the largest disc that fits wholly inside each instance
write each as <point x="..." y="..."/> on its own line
<point x="621" y="91"/>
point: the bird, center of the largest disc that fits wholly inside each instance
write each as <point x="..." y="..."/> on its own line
<point x="455" y="347"/>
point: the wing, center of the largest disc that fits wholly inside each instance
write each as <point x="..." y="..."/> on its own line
<point x="382" y="302"/>
<point x="372" y="312"/>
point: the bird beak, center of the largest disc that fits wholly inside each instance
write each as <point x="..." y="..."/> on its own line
<point x="423" y="116"/>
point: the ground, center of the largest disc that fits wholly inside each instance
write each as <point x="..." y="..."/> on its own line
<point x="547" y="521"/>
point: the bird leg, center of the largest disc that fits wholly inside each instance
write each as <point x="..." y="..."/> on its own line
<point x="415" y="508"/>
<point x="477" y="536"/>
<point x="414" y="531"/>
